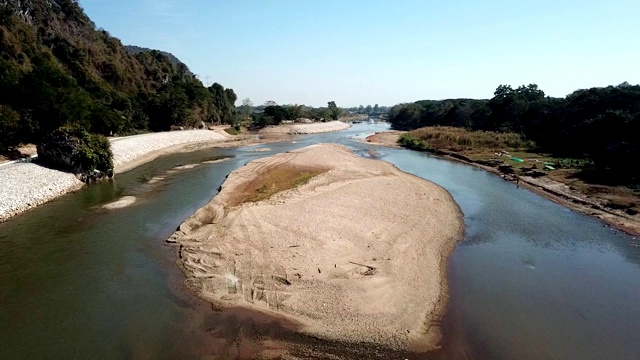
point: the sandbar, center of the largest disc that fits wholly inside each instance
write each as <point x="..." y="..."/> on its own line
<point x="356" y="251"/>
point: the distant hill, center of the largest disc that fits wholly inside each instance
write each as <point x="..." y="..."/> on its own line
<point x="57" y="68"/>
<point x="133" y="49"/>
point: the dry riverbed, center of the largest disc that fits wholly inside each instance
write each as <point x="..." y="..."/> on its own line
<point x="350" y="249"/>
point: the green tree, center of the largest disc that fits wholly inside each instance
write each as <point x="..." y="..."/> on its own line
<point x="296" y="111"/>
<point x="10" y="127"/>
<point x="169" y="107"/>
<point x="278" y="113"/>
<point x="334" y="110"/>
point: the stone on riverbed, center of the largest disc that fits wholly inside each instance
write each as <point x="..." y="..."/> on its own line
<point x="120" y="203"/>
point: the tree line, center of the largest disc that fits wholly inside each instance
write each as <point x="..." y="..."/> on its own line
<point x="600" y="124"/>
<point x="57" y="69"/>
<point x="369" y="110"/>
<point x="270" y="113"/>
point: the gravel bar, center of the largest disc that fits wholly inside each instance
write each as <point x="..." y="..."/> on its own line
<point x="24" y="185"/>
<point x="314" y="128"/>
<point x="132" y="147"/>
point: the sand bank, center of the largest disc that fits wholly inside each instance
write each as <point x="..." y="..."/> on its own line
<point x="314" y="128"/>
<point x="356" y="251"/>
<point x="387" y="138"/>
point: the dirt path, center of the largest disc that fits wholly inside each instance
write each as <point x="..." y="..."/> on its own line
<point x="355" y="251"/>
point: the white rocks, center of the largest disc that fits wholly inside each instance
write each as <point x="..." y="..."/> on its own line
<point x="129" y="148"/>
<point x="26" y="185"/>
<point x="306" y="128"/>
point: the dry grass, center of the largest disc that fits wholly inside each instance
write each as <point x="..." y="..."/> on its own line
<point x="460" y="139"/>
<point x="272" y="181"/>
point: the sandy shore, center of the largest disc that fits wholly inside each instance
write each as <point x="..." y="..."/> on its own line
<point x="387" y="138"/>
<point x="357" y="254"/>
<point x="553" y="190"/>
<point x="313" y="128"/>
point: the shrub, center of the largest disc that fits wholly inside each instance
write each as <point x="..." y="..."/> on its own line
<point x="235" y="130"/>
<point x="74" y="149"/>
<point x="411" y="142"/>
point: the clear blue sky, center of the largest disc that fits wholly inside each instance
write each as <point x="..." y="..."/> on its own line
<point x="385" y="52"/>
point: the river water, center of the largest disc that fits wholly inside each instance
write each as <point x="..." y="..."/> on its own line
<point x="531" y="279"/>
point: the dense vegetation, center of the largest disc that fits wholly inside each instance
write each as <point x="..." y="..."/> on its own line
<point x="133" y="49"/>
<point x="599" y="124"/>
<point x="74" y="149"/>
<point x="57" y="69"/>
<point x="458" y="139"/>
<point x="273" y="114"/>
<point x="373" y="111"/>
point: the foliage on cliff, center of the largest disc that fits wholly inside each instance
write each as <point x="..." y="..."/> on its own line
<point x="57" y="69"/>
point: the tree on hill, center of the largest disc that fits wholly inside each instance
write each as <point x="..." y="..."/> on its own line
<point x="133" y="49"/>
<point x="57" y="69"/>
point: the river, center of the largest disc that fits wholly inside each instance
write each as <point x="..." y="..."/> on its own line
<point x="530" y="280"/>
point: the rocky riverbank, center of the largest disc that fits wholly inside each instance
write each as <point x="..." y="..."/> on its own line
<point x="24" y="185"/>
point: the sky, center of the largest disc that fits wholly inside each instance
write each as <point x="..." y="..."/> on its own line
<point x="358" y="52"/>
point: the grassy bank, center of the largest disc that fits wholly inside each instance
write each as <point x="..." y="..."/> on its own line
<point x="459" y="139"/>
<point x="513" y="155"/>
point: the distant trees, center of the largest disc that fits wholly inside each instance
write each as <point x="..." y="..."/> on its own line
<point x="512" y="110"/>
<point x="245" y="110"/>
<point x="275" y="114"/>
<point x="278" y="113"/>
<point x="334" y="111"/>
<point x="375" y="110"/>
<point x="601" y="124"/>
